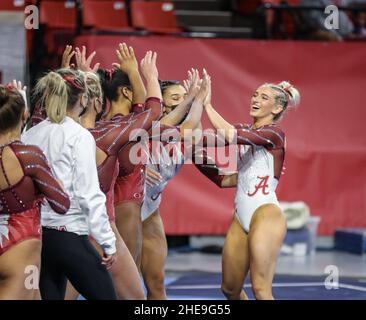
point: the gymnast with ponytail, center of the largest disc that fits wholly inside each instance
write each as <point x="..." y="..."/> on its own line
<point x="258" y="227"/>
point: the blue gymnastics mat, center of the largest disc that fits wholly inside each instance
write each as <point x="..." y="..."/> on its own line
<point x="206" y="286"/>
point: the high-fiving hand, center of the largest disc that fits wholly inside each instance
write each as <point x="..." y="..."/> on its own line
<point x="148" y="65"/>
<point x="66" y="57"/>
<point x="84" y="63"/>
<point x="127" y="59"/>
<point x="192" y="84"/>
<point x="205" y="88"/>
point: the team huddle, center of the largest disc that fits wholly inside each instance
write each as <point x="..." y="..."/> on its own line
<point x="82" y="179"/>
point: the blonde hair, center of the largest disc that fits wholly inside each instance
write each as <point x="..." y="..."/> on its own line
<point x="94" y="88"/>
<point x="287" y="96"/>
<point x="58" y="91"/>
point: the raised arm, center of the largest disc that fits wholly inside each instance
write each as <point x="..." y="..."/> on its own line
<point x="129" y="65"/>
<point x="150" y="72"/>
<point x="270" y="137"/>
<point x="154" y="111"/>
<point x="192" y="87"/>
<point x="217" y="120"/>
<point x="153" y="102"/>
<point x="188" y="130"/>
<point x="35" y="165"/>
<point x="220" y="123"/>
<point x="194" y="116"/>
<point x="116" y="135"/>
<point x="212" y="139"/>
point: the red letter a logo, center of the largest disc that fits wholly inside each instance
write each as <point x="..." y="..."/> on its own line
<point x="263" y="184"/>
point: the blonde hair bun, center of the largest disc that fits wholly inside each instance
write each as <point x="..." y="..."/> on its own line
<point x="292" y="92"/>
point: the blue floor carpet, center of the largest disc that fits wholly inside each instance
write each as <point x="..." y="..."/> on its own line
<point x="202" y="285"/>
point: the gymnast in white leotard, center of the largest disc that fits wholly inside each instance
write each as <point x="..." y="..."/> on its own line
<point x="259" y="226"/>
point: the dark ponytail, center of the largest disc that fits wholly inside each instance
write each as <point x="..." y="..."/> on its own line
<point x="111" y="80"/>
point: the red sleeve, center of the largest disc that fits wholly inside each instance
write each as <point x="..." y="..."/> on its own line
<point x="144" y="120"/>
<point x="111" y="136"/>
<point x="142" y="123"/>
<point x="212" y="139"/>
<point x="152" y="104"/>
<point x="169" y="133"/>
<point x="138" y="107"/>
<point x="35" y="165"/>
<point x="241" y="126"/>
<point x="149" y="104"/>
<point x="207" y="167"/>
<point x="270" y="137"/>
<point x="156" y="106"/>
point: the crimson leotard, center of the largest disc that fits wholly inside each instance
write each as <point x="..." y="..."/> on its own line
<point x="129" y="186"/>
<point x="19" y="203"/>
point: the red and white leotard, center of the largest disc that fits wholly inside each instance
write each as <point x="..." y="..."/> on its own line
<point x="19" y="203"/>
<point x="261" y="154"/>
<point x="260" y="161"/>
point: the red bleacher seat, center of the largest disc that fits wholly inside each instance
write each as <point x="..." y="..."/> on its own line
<point x="59" y="20"/>
<point x="12" y="5"/>
<point x="58" y="14"/>
<point x="154" y="16"/>
<point x="105" y="15"/>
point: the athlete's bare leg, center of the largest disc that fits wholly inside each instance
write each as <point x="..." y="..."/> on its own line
<point x="154" y="253"/>
<point x="129" y="225"/>
<point x="267" y="231"/>
<point x="235" y="262"/>
<point x="19" y="271"/>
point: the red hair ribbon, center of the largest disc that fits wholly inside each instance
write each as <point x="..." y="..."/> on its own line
<point x="287" y="89"/>
<point x="71" y="80"/>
